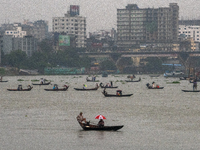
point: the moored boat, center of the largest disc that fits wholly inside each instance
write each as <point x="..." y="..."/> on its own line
<point x="88" y="126"/>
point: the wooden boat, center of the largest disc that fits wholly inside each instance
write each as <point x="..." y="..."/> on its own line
<point x="20" y="90"/>
<point x="102" y="86"/>
<point x="133" y="81"/>
<point x="118" y="94"/>
<point x="63" y="89"/>
<point x="91" y="89"/>
<point x="41" y="84"/>
<point x="150" y="87"/>
<point x="88" y="126"/>
<point x="191" y="90"/>
<point x="4" y="81"/>
<point x="88" y="80"/>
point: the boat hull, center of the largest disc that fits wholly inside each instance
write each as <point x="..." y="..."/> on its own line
<point x="93" y="89"/>
<point x="41" y="84"/>
<point x="115" y="95"/>
<point x="97" y="128"/>
<point x="191" y="90"/>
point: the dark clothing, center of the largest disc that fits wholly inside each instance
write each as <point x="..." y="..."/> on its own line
<point x="101" y="123"/>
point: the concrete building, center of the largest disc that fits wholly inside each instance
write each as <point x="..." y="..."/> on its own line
<point x="71" y="24"/>
<point x="37" y="29"/>
<point x="190" y="32"/>
<point x="16" y="33"/>
<point x="137" y="26"/>
<point x="28" y="44"/>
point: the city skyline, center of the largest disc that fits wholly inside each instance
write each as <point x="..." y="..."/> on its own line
<point x="100" y="14"/>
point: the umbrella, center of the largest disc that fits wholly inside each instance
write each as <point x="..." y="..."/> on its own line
<point x="100" y="117"/>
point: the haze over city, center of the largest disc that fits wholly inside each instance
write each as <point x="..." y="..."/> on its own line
<point x="101" y="14"/>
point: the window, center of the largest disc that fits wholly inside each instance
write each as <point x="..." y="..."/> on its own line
<point x="66" y="19"/>
<point x="198" y="39"/>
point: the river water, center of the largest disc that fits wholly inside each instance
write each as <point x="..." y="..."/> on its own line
<point x="153" y="119"/>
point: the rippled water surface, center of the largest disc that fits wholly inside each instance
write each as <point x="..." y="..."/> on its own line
<point x="152" y="119"/>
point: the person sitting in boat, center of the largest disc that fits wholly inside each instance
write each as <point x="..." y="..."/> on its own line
<point x="55" y="87"/>
<point x="101" y="123"/>
<point x="80" y="118"/>
<point x="153" y="85"/>
<point x="29" y="86"/>
<point x="42" y="81"/>
<point x="119" y="92"/>
<point x="19" y="88"/>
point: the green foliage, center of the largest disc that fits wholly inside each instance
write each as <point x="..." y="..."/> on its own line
<point x="107" y="65"/>
<point x="15" y="59"/>
<point x="2" y="71"/>
<point x="154" y="65"/>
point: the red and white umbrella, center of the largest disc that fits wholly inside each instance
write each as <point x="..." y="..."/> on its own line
<point x="100" y="117"/>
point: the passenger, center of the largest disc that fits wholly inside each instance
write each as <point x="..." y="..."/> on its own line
<point x="101" y="123"/>
<point x="42" y="80"/>
<point x="84" y="86"/>
<point x="80" y="118"/>
<point x="29" y="87"/>
<point x="1" y="78"/>
<point x="153" y="84"/>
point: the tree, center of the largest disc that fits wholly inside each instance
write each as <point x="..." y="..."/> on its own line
<point x="107" y="65"/>
<point x="15" y="59"/>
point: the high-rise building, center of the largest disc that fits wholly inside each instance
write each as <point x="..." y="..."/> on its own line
<point x="71" y="24"/>
<point x="147" y="25"/>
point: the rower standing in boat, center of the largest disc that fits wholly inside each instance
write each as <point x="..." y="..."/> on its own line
<point x="80" y="118"/>
<point x="195" y="84"/>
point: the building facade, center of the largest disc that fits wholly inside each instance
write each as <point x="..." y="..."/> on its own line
<point x="72" y="25"/>
<point x="147" y="25"/>
<point x="28" y="44"/>
<point x="190" y="32"/>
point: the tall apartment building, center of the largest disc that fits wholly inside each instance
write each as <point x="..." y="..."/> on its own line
<point x="147" y="25"/>
<point x="73" y="25"/>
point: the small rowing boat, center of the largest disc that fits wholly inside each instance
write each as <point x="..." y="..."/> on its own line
<point x="84" y="89"/>
<point x="62" y="89"/>
<point x="118" y="94"/>
<point x="191" y="90"/>
<point x="41" y="84"/>
<point x="107" y="86"/>
<point x="133" y="81"/>
<point x="88" y="126"/>
<point x="28" y="89"/>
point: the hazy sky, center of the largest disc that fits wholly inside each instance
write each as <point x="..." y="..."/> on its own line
<point x="100" y="14"/>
